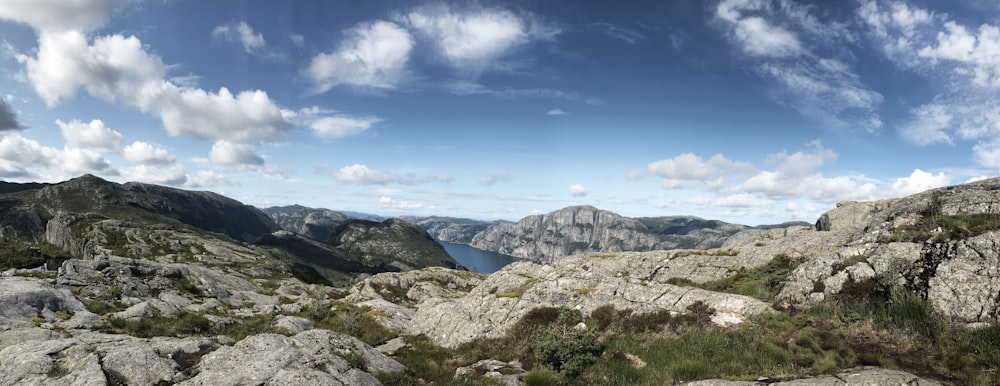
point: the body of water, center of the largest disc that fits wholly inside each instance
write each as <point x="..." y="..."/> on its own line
<point x="477" y="259"/>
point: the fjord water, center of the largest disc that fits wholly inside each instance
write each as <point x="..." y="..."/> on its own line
<point x="477" y="259"/>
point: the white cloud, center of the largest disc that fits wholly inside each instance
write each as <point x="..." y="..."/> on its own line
<point x="112" y="67"/>
<point x="362" y="175"/>
<point x="93" y="136"/>
<point x="490" y="179"/>
<point x="976" y="53"/>
<point x="373" y="55"/>
<point x="963" y="64"/>
<point x="555" y="112"/>
<point x="163" y="174"/>
<point x="742" y="200"/>
<point x="689" y="167"/>
<point x="464" y="88"/>
<point x="930" y="124"/>
<point x="242" y="33"/>
<point x="577" y="190"/>
<point x="808" y="57"/>
<point x="77" y="161"/>
<point x="624" y="34"/>
<point x="473" y="40"/>
<point x="207" y="179"/>
<point x="342" y="126"/>
<point x="917" y="182"/>
<point x="234" y="154"/>
<point x="298" y="40"/>
<point x="388" y="202"/>
<point x="57" y="14"/>
<point x="801" y="164"/>
<point x="760" y="38"/>
<point x="19" y="156"/>
<point x="117" y="68"/>
<point x="146" y="154"/>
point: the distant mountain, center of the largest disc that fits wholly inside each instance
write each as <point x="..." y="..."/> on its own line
<point x="134" y="202"/>
<point x="315" y="223"/>
<point x="579" y="229"/>
<point x="88" y="217"/>
<point x="451" y="229"/>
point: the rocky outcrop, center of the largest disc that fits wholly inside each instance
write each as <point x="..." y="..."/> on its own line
<point x="862" y="376"/>
<point x="564" y="232"/>
<point x="308" y="358"/>
<point x="854" y="242"/>
<point x="636" y="281"/>
<point x="314" y="357"/>
<point x="317" y="224"/>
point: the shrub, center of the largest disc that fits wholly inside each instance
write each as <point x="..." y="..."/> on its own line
<point x="565" y="347"/>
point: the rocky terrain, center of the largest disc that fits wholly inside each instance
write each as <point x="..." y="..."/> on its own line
<point x="892" y="292"/>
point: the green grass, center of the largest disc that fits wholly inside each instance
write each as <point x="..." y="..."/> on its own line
<point x="941" y="228"/>
<point x="350" y="320"/>
<point x="762" y="282"/>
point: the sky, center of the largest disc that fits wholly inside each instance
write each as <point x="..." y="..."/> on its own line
<point x="748" y="111"/>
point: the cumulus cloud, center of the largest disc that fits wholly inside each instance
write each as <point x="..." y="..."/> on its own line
<point x="241" y="33"/>
<point x="117" y="68"/>
<point x="687" y="167"/>
<point x="8" y="117"/>
<point x="361" y="175"/>
<point x="373" y="55"/>
<point x="917" y="182"/>
<point x="493" y="178"/>
<point x="147" y="154"/>
<point x="93" y="136"/>
<point x="806" y="57"/>
<point x="472" y="40"/>
<point x="163" y="174"/>
<point x="207" y="179"/>
<point x="341" y="126"/>
<point x="234" y="154"/>
<point x="577" y="190"/>
<point x="57" y="14"/>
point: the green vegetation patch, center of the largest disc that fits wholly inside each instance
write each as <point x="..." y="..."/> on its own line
<point x="29" y="255"/>
<point x="348" y="319"/>
<point x="762" y="282"/>
<point x="939" y="228"/>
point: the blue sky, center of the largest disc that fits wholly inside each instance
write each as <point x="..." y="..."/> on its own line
<point x="749" y="111"/>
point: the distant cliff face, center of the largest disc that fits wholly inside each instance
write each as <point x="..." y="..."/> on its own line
<point x="580" y="229"/>
<point x="317" y="224"/>
<point x="453" y="230"/>
<point x="566" y="231"/>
